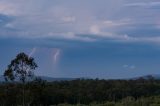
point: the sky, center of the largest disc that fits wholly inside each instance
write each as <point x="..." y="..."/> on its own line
<point x="107" y="39"/>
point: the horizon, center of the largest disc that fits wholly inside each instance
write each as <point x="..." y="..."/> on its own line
<point x="104" y="39"/>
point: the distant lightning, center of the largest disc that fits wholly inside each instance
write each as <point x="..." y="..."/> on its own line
<point x="32" y="52"/>
<point x="56" y="55"/>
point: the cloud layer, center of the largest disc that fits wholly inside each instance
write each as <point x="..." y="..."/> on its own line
<point x="88" y="21"/>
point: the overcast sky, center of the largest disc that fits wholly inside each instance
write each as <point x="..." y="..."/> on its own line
<point x="83" y="38"/>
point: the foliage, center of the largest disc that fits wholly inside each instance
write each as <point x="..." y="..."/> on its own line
<point x="83" y="92"/>
<point x="21" y="67"/>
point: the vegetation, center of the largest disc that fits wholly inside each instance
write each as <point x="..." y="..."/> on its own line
<point x="86" y="92"/>
<point x="79" y="92"/>
<point x="20" y="69"/>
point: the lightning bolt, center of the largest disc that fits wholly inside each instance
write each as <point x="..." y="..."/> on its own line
<point x="32" y="52"/>
<point x="56" y="55"/>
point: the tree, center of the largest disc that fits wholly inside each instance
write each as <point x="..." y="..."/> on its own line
<point x="21" y="68"/>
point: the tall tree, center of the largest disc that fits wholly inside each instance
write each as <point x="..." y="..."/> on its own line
<point x="21" y="68"/>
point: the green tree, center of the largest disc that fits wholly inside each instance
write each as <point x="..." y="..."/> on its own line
<point x="21" y="68"/>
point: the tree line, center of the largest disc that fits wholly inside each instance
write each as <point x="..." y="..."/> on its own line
<point x="80" y="91"/>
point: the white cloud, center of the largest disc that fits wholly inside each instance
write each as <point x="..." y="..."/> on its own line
<point x="94" y="29"/>
<point x="125" y="66"/>
<point x="69" y="19"/>
<point x="50" y="19"/>
<point x="119" y="23"/>
<point x="129" y="67"/>
<point x="7" y="9"/>
<point x="9" y="25"/>
<point x="37" y="21"/>
<point x="105" y="29"/>
<point x="70" y="36"/>
<point x="148" y="4"/>
<point x="132" y="67"/>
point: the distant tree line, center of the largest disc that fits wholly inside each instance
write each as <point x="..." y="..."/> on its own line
<point x="39" y="92"/>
